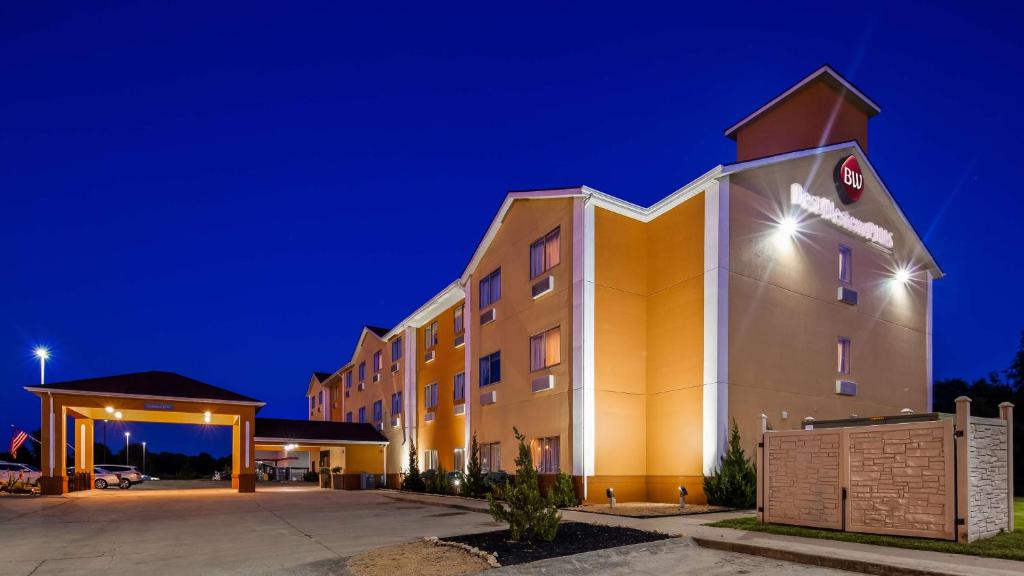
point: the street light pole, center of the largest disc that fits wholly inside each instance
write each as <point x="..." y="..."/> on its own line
<point x="127" y="435"/>
<point x="42" y="353"/>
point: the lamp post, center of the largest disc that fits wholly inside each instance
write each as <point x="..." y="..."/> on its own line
<point x="127" y="435"/>
<point x="143" y="457"/>
<point x="43" y="353"/>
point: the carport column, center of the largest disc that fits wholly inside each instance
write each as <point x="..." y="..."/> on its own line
<point x="84" y="448"/>
<point x="243" y="452"/>
<point x="52" y="460"/>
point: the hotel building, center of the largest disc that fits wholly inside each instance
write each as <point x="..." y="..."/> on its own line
<point x="624" y="340"/>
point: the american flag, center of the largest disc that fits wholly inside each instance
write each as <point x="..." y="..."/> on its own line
<point x="18" y="438"/>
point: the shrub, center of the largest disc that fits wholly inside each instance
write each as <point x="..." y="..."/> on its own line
<point x="336" y="470"/>
<point x="563" y="493"/>
<point x="413" y="481"/>
<point x="475" y="485"/>
<point x="325" y="470"/>
<point x="439" y="483"/>
<point x="310" y="476"/>
<point x="530" y="516"/>
<point x="733" y="483"/>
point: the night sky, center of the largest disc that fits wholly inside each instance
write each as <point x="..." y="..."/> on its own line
<point x="231" y="191"/>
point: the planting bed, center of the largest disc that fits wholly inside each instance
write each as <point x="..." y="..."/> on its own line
<point x="572" y="538"/>
<point x="649" y="509"/>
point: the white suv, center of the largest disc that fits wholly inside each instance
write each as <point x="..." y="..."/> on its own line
<point x="130" y="472"/>
<point x="19" y="473"/>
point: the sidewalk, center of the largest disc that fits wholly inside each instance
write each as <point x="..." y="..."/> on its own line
<point x="864" y="558"/>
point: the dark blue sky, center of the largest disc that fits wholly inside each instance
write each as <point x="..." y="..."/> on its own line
<point x="231" y="191"/>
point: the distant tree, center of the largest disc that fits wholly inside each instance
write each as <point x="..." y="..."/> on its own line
<point x="1015" y="373"/>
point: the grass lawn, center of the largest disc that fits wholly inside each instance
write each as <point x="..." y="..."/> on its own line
<point x="1008" y="546"/>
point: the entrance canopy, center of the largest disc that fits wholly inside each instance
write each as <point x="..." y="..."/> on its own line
<point x="355" y="448"/>
<point x="163" y="397"/>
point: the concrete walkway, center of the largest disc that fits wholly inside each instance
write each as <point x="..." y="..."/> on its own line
<point x="851" y="556"/>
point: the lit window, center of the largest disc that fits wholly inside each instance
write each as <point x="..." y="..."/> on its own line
<point x="459" y="324"/>
<point x="362" y="372"/>
<point x="362" y="414"/>
<point x="378" y="411"/>
<point x="430" y="395"/>
<point x="430" y="336"/>
<point x="490" y="369"/>
<point x="459" y="460"/>
<point x="490" y="289"/>
<point x="545" y="254"/>
<point x="459" y="387"/>
<point x="378" y="360"/>
<point x="490" y="457"/>
<point x="430" y="459"/>
<point x="396" y="349"/>
<point x="348" y="417"/>
<point x="843" y="356"/>
<point x="545" y="454"/>
<point x="546" y="349"/>
<point x="845" y="264"/>
<point x="396" y="403"/>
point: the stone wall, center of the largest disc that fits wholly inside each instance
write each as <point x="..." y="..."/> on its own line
<point x="900" y="480"/>
<point x="987" y="469"/>
<point x="804" y="488"/>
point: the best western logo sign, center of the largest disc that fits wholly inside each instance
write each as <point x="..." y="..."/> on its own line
<point x="849" y="179"/>
<point x="828" y="210"/>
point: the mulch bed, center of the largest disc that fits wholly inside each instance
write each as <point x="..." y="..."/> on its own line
<point x="650" y="510"/>
<point x="572" y="538"/>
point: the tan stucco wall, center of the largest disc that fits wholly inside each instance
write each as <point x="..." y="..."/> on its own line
<point x="784" y="318"/>
<point x="374" y="391"/>
<point x="541" y="414"/>
<point x="447" y="431"/>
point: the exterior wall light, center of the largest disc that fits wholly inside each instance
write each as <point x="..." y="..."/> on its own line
<point x="109" y="409"/>
<point x="610" y="493"/>
<point x="206" y="416"/>
<point x="682" y="497"/>
<point x="118" y="415"/>
<point x="901" y="276"/>
<point x="788" y="226"/>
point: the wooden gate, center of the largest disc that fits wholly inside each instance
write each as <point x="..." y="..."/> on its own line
<point x="883" y="479"/>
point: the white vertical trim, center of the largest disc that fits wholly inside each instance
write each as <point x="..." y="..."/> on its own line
<point x="50" y="439"/>
<point x="583" y="398"/>
<point x="410" y="418"/>
<point x="81" y="448"/>
<point x="928" y="345"/>
<point x="715" y="405"/>
<point x="467" y="351"/>
<point x="247" y="444"/>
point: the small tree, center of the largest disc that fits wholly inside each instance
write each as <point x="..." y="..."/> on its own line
<point x="530" y="515"/>
<point x="413" y="482"/>
<point x="733" y="483"/>
<point x="475" y="486"/>
<point x="439" y="482"/>
<point x="563" y="493"/>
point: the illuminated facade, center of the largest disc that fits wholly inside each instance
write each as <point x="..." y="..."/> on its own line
<point x="624" y="340"/>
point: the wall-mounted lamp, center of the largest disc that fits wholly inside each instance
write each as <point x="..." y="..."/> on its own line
<point x="610" y="493"/>
<point x="901" y="276"/>
<point x="118" y="415"/>
<point x="206" y="416"/>
<point x="109" y="409"/>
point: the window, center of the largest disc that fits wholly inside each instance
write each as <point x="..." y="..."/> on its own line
<point x="545" y="254"/>
<point x="430" y="459"/>
<point x="545" y="454"/>
<point x="396" y="349"/>
<point x="378" y="411"/>
<point x="460" y="326"/>
<point x="546" y="349"/>
<point x="490" y="457"/>
<point x="362" y="372"/>
<point x="378" y="361"/>
<point x="362" y="414"/>
<point x="430" y="336"/>
<point x="459" y="387"/>
<point x="843" y="356"/>
<point x="312" y="403"/>
<point x="320" y="398"/>
<point x="490" y="289"/>
<point x="845" y="264"/>
<point x="490" y="369"/>
<point x="334" y="393"/>
<point x="348" y="379"/>
<point x="396" y="403"/>
<point x="430" y="395"/>
<point x="459" y="460"/>
<point x="348" y="416"/>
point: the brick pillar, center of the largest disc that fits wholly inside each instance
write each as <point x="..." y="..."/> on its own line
<point x="1006" y="413"/>
<point x="963" y="476"/>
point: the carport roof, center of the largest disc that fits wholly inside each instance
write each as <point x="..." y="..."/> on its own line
<point x="152" y="384"/>
<point x="312" y="431"/>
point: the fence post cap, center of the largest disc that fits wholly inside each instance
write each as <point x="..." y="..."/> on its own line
<point x="1006" y="404"/>
<point x="962" y="399"/>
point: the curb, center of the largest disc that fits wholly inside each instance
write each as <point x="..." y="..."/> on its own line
<point x="394" y="495"/>
<point x="863" y="566"/>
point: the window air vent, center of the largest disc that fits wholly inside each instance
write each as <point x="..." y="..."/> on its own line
<point x="489" y="397"/>
<point x="429" y="417"/>
<point x="543" y="383"/>
<point x="460" y="409"/>
<point x="846" y="388"/>
<point x="847" y="295"/>
<point x="428" y="356"/>
<point x="488" y="316"/>
<point x="460" y="340"/>
<point x="394" y="367"/>
<point x="376" y="377"/>
<point x="543" y="287"/>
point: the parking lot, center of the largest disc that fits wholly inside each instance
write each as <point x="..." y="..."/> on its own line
<point x="278" y="530"/>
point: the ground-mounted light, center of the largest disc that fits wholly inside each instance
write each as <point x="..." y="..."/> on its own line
<point x="682" y="497"/>
<point x="610" y="493"/>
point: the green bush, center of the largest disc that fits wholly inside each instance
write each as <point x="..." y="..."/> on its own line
<point x="563" y="493"/>
<point x="310" y="476"/>
<point x="474" y="486"/>
<point x="439" y="482"/>
<point x="530" y="516"/>
<point x="413" y="481"/>
<point x="336" y="470"/>
<point x="733" y="483"/>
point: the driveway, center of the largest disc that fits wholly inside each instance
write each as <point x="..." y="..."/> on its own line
<point x="286" y="530"/>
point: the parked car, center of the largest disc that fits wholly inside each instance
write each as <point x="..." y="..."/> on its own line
<point x="130" y="472"/>
<point x="147" y="478"/>
<point x="19" y="472"/>
<point x="101" y="478"/>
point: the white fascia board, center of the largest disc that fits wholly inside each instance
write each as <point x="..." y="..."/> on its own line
<point x="262" y="440"/>
<point x="440" y="302"/>
<point x="826" y="69"/>
<point x="862" y="158"/>
<point x="636" y="212"/>
<point x="48" y="390"/>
